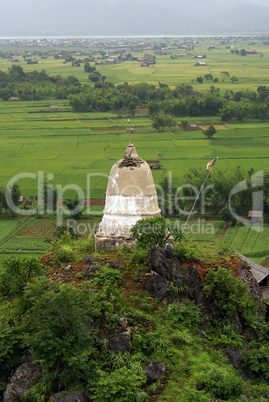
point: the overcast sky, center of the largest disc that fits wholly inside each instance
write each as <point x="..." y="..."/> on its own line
<point x="112" y="17"/>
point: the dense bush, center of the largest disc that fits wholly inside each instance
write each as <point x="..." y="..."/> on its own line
<point x="119" y="386"/>
<point x="256" y="359"/>
<point x="231" y="296"/>
<point x="222" y="383"/>
<point x="16" y="273"/>
<point x="186" y="313"/>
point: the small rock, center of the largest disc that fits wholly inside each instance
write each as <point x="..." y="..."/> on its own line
<point x="89" y="258"/>
<point x="154" y="371"/>
<point x="206" y="318"/>
<point x="68" y="269"/>
<point x="119" y="342"/>
<point x="123" y="322"/>
<point x="127" y="335"/>
<point x="76" y="396"/>
<point x="202" y="333"/>
<point x="20" y="381"/>
<point x="91" y="271"/>
<point x="116" y="264"/>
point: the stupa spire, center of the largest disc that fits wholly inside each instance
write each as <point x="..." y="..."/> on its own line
<point x="129" y="130"/>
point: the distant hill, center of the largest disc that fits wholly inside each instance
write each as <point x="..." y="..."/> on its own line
<point x="242" y="19"/>
<point x="130" y="17"/>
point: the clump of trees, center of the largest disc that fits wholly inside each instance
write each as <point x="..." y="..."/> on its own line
<point x="104" y="96"/>
<point x="214" y="200"/>
<point x="15" y="194"/>
<point x="36" y="85"/>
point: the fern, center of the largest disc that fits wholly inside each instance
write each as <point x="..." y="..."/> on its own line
<point x="178" y="290"/>
<point x="183" y="337"/>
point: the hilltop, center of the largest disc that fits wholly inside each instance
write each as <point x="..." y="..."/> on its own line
<point x="116" y="327"/>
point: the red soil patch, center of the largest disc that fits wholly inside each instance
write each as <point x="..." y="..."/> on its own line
<point x="233" y="263"/>
<point x="99" y="202"/>
<point x="142" y="109"/>
<point x="39" y="230"/>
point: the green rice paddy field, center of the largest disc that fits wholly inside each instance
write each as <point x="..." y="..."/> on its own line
<point x="71" y="145"/>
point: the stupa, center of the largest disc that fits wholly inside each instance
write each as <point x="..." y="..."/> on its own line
<point x="130" y="196"/>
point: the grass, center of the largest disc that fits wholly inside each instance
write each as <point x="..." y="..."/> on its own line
<point x="17" y="245"/>
<point x="249" y="242"/>
<point x="7" y="228"/>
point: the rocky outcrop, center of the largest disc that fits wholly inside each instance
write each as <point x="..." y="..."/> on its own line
<point x="245" y="275"/>
<point x="166" y="268"/>
<point x="158" y="287"/>
<point x="89" y="258"/>
<point x="154" y="371"/>
<point x="91" y="271"/>
<point x="120" y="342"/>
<point x="76" y="396"/>
<point x="22" y="380"/>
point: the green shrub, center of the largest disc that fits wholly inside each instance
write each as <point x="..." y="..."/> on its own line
<point x="193" y="395"/>
<point x="231" y="296"/>
<point x="222" y="383"/>
<point x="108" y="277"/>
<point x="157" y="339"/>
<point x="54" y="330"/>
<point x="192" y="250"/>
<point x="182" y="337"/>
<point x="85" y="245"/>
<point x="10" y="343"/>
<point x="138" y="257"/>
<point x="186" y="313"/>
<point x="119" y="386"/>
<point x="64" y="254"/>
<point x="152" y="233"/>
<point x="133" y="362"/>
<point x="17" y="272"/>
<point x="65" y="239"/>
<point x="256" y="359"/>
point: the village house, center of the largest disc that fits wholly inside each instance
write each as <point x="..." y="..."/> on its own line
<point x="200" y="63"/>
<point x="193" y="127"/>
